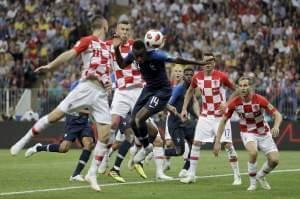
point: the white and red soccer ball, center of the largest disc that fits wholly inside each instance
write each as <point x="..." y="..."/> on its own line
<point x="154" y="39"/>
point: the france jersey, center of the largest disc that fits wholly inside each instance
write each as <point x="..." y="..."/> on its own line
<point x="153" y="69"/>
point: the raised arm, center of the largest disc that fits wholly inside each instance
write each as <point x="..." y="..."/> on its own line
<point x="182" y="61"/>
<point x="62" y="58"/>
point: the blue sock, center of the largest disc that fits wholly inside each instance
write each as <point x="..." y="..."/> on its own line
<point x="84" y="158"/>
<point x="48" y="147"/>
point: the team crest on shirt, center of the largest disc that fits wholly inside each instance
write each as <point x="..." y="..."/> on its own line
<point x="255" y="107"/>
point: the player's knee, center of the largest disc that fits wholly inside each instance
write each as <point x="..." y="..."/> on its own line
<point x="63" y="149"/>
<point x="252" y="156"/>
<point x="273" y="161"/>
<point x="89" y="145"/>
<point x="197" y="143"/>
<point x="169" y="143"/>
<point x="158" y="142"/>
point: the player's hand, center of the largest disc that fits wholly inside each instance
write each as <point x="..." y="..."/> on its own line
<point x="275" y="132"/>
<point x="184" y="115"/>
<point x="217" y="148"/>
<point x="116" y="40"/>
<point x="42" y="69"/>
<point x="222" y="108"/>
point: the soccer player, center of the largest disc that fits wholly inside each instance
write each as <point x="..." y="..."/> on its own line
<point x="91" y="93"/>
<point x="211" y="84"/>
<point x="255" y="131"/>
<point x="176" y="130"/>
<point x="129" y="85"/>
<point x="76" y="126"/>
<point x="155" y="94"/>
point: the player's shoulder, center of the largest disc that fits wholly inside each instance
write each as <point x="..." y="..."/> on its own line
<point x="219" y="73"/>
<point x="90" y="38"/>
<point x="257" y="98"/>
<point x="199" y="74"/>
<point x="237" y="100"/>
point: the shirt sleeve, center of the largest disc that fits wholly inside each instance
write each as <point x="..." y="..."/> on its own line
<point x="266" y="104"/>
<point x="82" y="45"/>
<point x="226" y="81"/>
<point x="194" y="81"/>
<point x="176" y="92"/>
<point x="129" y="58"/>
<point x="163" y="56"/>
<point x="230" y="108"/>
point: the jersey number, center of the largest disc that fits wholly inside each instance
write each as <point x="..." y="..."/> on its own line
<point x="227" y="132"/>
<point x="154" y="102"/>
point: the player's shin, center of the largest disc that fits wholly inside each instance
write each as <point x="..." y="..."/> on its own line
<point x="252" y="169"/>
<point x="233" y="159"/>
<point x="195" y="155"/>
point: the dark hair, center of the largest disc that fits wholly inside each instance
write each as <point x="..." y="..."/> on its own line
<point x="188" y="68"/>
<point x="138" y="45"/>
<point x="250" y="80"/>
<point x="97" y="22"/>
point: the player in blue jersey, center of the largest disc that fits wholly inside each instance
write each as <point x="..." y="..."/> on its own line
<point x="77" y="126"/>
<point x="176" y="130"/>
<point x="155" y="94"/>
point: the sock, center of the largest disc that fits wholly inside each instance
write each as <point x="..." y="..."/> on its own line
<point x="159" y="158"/>
<point x="98" y="154"/>
<point x="40" y="125"/>
<point x="252" y="168"/>
<point x="143" y="133"/>
<point x="233" y="159"/>
<point x="186" y="150"/>
<point x="264" y="170"/>
<point x="125" y="146"/>
<point x="195" y="155"/>
<point x="187" y="164"/>
<point x="49" y="148"/>
<point x="84" y="158"/>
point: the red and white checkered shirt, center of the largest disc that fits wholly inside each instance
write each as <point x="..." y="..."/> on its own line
<point x="129" y="76"/>
<point x="212" y="91"/>
<point x="95" y="58"/>
<point x="251" y="113"/>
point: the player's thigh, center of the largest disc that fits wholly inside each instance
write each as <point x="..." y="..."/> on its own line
<point x="81" y="97"/>
<point x="141" y="101"/>
<point x="158" y="101"/>
<point x="204" y="131"/>
<point x="250" y="143"/>
<point x="189" y="134"/>
<point x="227" y="134"/>
<point x="100" y="109"/>
<point x="177" y="135"/>
<point x="121" y="104"/>
<point x="266" y="144"/>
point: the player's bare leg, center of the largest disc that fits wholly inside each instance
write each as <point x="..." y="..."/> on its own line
<point x="252" y="165"/>
<point x="233" y="159"/>
<point x="38" y="127"/>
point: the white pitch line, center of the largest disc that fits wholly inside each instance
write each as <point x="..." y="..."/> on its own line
<point x="129" y="183"/>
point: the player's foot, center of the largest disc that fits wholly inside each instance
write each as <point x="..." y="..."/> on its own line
<point x="263" y="183"/>
<point x="32" y="150"/>
<point x="104" y="165"/>
<point x="167" y="165"/>
<point x="92" y="179"/>
<point x="148" y="158"/>
<point x="142" y="153"/>
<point x="163" y="177"/>
<point x="189" y="179"/>
<point x="237" y="180"/>
<point x="252" y="187"/>
<point x="16" y="148"/>
<point x="140" y="170"/>
<point x="183" y="173"/>
<point x="116" y="175"/>
<point x="78" y="178"/>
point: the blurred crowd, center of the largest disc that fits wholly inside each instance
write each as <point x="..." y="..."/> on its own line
<point x="260" y="38"/>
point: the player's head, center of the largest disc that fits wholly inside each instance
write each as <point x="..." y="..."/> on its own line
<point x="188" y="73"/>
<point x="211" y="62"/>
<point x="245" y="84"/>
<point x="123" y="30"/>
<point x="139" y="51"/>
<point x="99" y="24"/>
<point x="178" y="72"/>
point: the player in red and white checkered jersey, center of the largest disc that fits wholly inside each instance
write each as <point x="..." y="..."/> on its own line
<point x="91" y="93"/>
<point x="211" y="84"/>
<point x="255" y="131"/>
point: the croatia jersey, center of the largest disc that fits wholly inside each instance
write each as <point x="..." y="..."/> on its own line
<point x="212" y="91"/>
<point x="95" y="57"/>
<point x="251" y="113"/>
<point x="129" y="76"/>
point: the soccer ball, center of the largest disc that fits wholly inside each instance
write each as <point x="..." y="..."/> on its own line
<point x="154" y="39"/>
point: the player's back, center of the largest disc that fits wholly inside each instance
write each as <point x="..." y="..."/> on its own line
<point x="153" y="70"/>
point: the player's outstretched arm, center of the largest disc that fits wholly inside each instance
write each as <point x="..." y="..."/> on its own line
<point x="62" y="58"/>
<point x="182" y="61"/>
<point x="277" y="122"/>
<point x="187" y="98"/>
<point x="217" y="145"/>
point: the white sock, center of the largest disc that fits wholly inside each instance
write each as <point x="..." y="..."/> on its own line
<point x="98" y="155"/>
<point x="40" y="125"/>
<point x="195" y="155"/>
<point x="264" y="170"/>
<point x="252" y="169"/>
<point x="133" y="150"/>
<point x="233" y="159"/>
<point x="159" y="157"/>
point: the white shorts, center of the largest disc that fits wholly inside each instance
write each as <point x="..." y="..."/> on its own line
<point x="264" y="142"/>
<point x="124" y="101"/>
<point x="88" y="95"/>
<point x="206" y="130"/>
